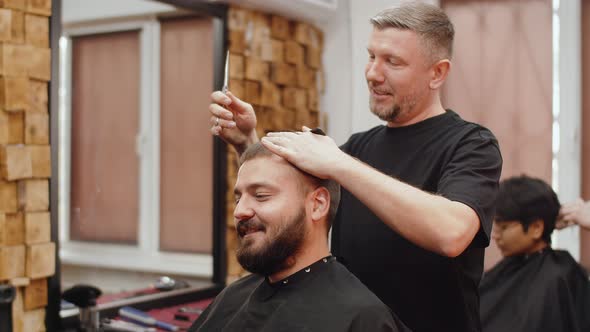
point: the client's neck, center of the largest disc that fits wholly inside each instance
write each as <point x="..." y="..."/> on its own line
<point x="309" y="254"/>
<point x="537" y="247"/>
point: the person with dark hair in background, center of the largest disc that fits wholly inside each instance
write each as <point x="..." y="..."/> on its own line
<point x="417" y="205"/>
<point x="282" y="218"/>
<point x="534" y="288"/>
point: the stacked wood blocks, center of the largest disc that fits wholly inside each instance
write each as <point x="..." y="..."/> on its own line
<point x="27" y="257"/>
<point x="275" y="65"/>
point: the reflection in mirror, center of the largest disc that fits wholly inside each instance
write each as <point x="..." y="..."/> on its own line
<point x="135" y="154"/>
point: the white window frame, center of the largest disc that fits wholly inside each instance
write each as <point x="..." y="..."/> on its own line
<point x="145" y="256"/>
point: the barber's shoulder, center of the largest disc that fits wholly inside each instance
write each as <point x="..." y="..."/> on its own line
<point x="362" y="138"/>
<point x="367" y="133"/>
<point x="472" y="132"/>
<point x="476" y="129"/>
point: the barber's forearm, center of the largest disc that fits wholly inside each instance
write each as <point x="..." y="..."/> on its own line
<point x="429" y="221"/>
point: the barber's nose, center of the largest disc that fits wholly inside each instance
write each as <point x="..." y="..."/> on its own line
<point x="243" y="211"/>
<point x="373" y="71"/>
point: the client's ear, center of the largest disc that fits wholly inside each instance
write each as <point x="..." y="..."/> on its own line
<point x="536" y="229"/>
<point x="321" y="203"/>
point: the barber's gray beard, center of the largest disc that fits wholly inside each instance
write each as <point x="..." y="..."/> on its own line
<point x="387" y="116"/>
<point x="272" y="256"/>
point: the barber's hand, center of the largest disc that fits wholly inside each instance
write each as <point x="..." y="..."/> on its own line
<point x="577" y="212"/>
<point x="233" y="120"/>
<point x="314" y="154"/>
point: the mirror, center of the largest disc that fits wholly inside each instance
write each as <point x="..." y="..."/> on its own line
<point x="137" y="166"/>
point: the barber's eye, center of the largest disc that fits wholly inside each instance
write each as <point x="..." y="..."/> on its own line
<point x="262" y="196"/>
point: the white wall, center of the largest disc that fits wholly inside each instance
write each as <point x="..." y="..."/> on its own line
<point x="346" y="99"/>
<point x="337" y="62"/>
<point x="362" y="119"/>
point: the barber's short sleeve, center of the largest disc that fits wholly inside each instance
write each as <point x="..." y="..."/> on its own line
<point x="347" y="146"/>
<point x="471" y="177"/>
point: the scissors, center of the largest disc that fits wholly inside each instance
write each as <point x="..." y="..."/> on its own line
<point x="225" y="87"/>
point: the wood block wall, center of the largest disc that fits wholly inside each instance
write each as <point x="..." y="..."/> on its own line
<point x="27" y="255"/>
<point x="275" y="65"/>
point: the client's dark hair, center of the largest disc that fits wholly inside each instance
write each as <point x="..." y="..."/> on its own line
<point x="526" y="199"/>
<point x="258" y="150"/>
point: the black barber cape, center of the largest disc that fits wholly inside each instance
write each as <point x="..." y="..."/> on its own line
<point x="323" y="297"/>
<point x="545" y="291"/>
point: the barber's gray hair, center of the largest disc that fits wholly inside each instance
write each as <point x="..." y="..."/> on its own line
<point x="258" y="151"/>
<point x="428" y="21"/>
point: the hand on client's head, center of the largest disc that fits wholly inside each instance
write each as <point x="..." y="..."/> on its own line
<point x="576" y="212"/>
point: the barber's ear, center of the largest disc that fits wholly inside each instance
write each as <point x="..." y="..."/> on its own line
<point x="536" y="229"/>
<point x="321" y="203"/>
<point x="440" y="71"/>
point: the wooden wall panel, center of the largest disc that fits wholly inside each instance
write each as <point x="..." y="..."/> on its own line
<point x="25" y="169"/>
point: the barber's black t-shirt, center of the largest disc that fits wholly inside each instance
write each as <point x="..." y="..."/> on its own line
<point x="444" y="155"/>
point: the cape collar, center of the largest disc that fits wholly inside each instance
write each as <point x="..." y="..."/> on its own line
<point x="268" y="289"/>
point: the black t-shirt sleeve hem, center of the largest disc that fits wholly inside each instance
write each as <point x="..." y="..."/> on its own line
<point x="483" y="236"/>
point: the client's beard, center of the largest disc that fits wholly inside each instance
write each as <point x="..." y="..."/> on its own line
<point x="271" y="256"/>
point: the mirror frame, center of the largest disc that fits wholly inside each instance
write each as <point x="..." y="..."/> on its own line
<point x="53" y="320"/>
